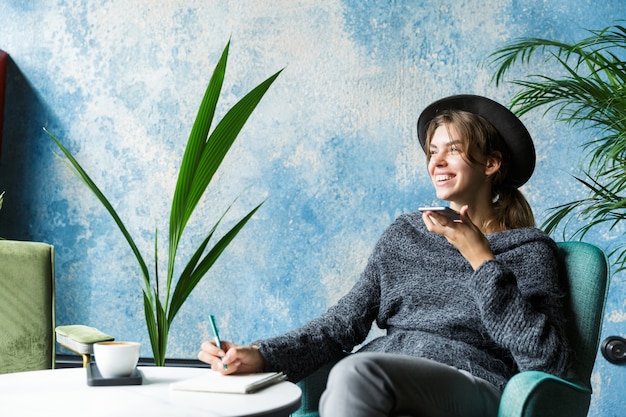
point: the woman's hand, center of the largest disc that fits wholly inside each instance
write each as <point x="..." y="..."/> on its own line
<point x="463" y="235"/>
<point x="232" y="358"/>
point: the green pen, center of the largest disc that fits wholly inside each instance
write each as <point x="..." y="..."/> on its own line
<point x="216" y="335"/>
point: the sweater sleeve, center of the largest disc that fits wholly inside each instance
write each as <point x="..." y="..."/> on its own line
<point x="521" y="306"/>
<point x="328" y="337"/>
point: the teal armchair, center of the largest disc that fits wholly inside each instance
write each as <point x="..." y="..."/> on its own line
<point x="533" y="393"/>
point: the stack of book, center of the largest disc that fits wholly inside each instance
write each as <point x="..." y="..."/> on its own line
<point x="233" y="384"/>
<point x="80" y="339"/>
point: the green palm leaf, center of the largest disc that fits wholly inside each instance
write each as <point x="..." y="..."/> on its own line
<point x="589" y="92"/>
<point x="204" y="153"/>
<point x="162" y="332"/>
<point x="151" y="323"/>
<point x="192" y="275"/>
<point x="197" y="170"/>
<point x="193" y="153"/>
<point x="80" y="172"/>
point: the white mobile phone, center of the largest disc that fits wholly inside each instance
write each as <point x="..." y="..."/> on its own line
<point x="446" y="211"/>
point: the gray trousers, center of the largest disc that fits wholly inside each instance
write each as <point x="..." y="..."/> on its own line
<point x="372" y="384"/>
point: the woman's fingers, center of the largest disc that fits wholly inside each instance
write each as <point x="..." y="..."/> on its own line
<point x="231" y="358"/>
<point x="214" y="356"/>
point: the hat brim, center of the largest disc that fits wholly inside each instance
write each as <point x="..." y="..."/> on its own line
<point x="510" y="128"/>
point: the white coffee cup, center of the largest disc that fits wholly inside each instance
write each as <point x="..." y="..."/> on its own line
<point x="116" y="359"/>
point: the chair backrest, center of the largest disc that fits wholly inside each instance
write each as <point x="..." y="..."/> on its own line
<point x="26" y="306"/>
<point x="586" y="268"/>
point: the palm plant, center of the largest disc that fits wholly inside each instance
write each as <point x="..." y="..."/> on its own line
<point x="203" y="155"/>
<point x="590" y="92"/>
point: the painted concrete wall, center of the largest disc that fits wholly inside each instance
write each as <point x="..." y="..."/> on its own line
<point x="332" y="147"/>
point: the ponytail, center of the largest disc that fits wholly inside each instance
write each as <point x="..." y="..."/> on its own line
<point x="511" y="210"/>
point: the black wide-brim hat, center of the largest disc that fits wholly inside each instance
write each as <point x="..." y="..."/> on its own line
<point x="510" y="128"/>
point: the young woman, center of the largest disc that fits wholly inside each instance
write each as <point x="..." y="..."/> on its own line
<point x="465" y="303"/>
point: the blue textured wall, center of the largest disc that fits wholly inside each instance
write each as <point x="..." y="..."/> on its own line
<point x="332" y="146"/>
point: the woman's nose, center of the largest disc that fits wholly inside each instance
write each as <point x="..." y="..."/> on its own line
<point x="438" y="159"/>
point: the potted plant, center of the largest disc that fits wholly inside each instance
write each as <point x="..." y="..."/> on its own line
<point x="203" y="155"/>
<point x="590" y="92"/>
<point x="1" y="201"/>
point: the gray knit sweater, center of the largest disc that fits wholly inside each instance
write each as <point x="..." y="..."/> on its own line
<point x="493" y="322"/>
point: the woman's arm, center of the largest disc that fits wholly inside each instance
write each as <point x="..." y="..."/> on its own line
<point x="303" y="350"/>
<point x="520" y="302"/>
<point x="327" y="338"/>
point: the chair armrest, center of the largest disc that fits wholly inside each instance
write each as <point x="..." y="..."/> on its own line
<point x="538" y="394"/>
<point x="312" y="388"/>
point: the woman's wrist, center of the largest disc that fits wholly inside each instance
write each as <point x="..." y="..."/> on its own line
<point x="260" y="360"/>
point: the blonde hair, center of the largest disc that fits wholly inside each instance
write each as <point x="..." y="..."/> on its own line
<point x="480" y="139"/>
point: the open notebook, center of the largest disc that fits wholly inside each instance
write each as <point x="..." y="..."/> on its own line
<point x="212" y="381"/>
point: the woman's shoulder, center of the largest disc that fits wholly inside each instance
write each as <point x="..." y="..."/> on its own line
<point x="532" y="233"/>
<point x="408" y="227"/>
<point x="413" y="218"/>
<point x="526" y="237"/>
<point x="412" y="222"/>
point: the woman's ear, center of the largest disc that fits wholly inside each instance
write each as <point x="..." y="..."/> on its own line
<point x="493" y="164"/>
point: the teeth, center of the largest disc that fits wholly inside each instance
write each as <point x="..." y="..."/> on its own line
<point x="442" y="177"/>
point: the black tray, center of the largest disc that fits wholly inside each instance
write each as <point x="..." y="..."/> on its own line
<point x="95" y="379"/>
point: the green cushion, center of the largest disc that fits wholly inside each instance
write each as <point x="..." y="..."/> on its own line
<point x="83" y="334"/>
<point x="26" y="306"/>
<point x="80" y="338"/>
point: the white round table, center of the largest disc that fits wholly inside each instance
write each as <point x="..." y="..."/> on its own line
<point x="64" y="392"/>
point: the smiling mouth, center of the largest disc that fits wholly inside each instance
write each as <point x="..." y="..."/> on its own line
<point x="442" y="178"/>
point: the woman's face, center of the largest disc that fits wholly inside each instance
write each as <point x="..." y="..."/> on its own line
<point x="455" y="179"/>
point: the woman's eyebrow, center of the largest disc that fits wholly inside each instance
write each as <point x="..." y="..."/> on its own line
<point x="451" y="142"/>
